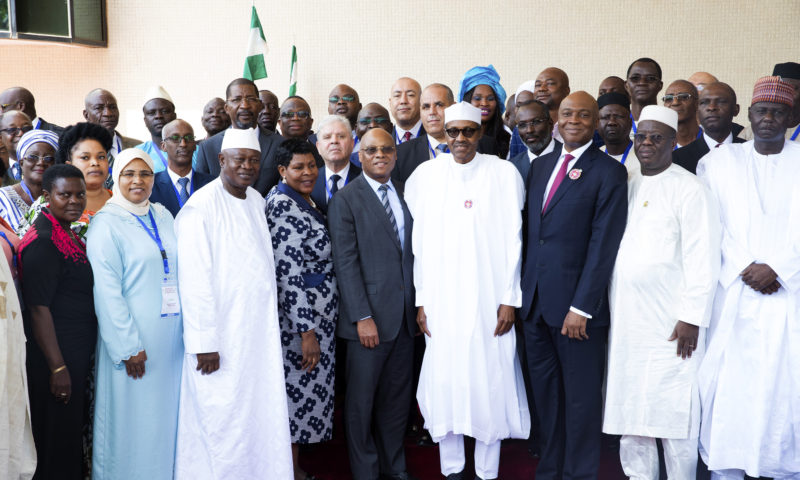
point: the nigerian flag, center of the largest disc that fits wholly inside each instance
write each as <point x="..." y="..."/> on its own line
<point x="293" y="73"/>
<point x="254" y="65"/>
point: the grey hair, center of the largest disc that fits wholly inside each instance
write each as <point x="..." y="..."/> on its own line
<point x="330" y="119"/>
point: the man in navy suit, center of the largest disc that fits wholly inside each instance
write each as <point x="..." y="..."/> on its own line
<point x="173" y="187"/>
<point x="372" y="115"/>
<point x="335" y="144"/>
<point x="575" y="217"/>
<point x="243" y="106"/>
<point x="535" y="128"/>
<point x="370" y="227"/>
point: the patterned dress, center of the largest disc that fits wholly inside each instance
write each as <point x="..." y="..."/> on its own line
<point x="307" y="299"/>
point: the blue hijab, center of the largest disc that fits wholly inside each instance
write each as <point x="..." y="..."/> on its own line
<point x="484" y="76"/>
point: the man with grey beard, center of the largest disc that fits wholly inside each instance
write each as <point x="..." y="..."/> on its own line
<point x="536" y="131"/>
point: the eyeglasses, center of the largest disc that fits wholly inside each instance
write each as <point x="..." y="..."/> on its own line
<point x="14" y="131"/>
<point x="384" y="150"/>
<point x="130" y="174"/>
<point x="177" y="138"/>
<point x="636" y="78"/>
<point x="346" y="98"/>
<point x="368" y="120"/>
<point x="300" y="114"/>
<point x="525" y="125"/>
<point x="468" y="132"/>
<point x="655" y="138"/>
<point x="36" y="159"/>
<point x="671" y="97"/>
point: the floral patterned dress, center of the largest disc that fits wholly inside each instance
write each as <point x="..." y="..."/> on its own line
<point x="307" y="299"/>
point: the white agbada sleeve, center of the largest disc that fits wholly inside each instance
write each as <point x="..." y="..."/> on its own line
<point x="512" y="295"/>
<point x="412" y="193"/>
<point x="195" y="280"/>
<point x="700" y="255"/>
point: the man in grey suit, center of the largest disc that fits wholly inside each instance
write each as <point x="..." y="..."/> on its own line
<point x="370" y="227"/>
<point x="242" y="105"/>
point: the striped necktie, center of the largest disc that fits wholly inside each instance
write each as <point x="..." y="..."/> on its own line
<point x="385" y="200"/>
<point x="184" y="191"/>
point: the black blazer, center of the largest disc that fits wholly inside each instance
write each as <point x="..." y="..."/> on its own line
<point x="320" y="193"/>
<point x="421" y="133"/>
<point x="45" y="125"/>
<point x="569" y="252"/>
<point x="412" y="153"/>
<point x="374" y="274"/>
<point x="208" y="159"/>
<point x="523" y="162"/>
<point x="689" y="156"/>
<point x="164" y="190"/>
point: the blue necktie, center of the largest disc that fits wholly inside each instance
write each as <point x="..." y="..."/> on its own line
<point x="385" y="200"/>
<point x="442" y="147"/>
<point x="334" y="184"/>
<point x="183" y="192"/>
<point x="15" y="170"/>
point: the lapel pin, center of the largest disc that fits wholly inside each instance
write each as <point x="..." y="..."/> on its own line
<point x="575" y="173"/>
<point x="645" y="203"/>
<point x="468" y="204"/>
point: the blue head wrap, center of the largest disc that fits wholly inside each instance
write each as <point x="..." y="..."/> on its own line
<point x="484" y="76"/>
<point x="35" y="136"/>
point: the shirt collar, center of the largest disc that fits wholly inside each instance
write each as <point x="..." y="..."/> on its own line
<point x="712" y="144"/>
<point x="375" y="185"/>
<point x="577" y="152"/>
<point x="549" y="148"/>
<point x="175" y="177"/>
<point x="342" y="173"/>
<point x="36" y="122"/>
<point x="414" y="130"/>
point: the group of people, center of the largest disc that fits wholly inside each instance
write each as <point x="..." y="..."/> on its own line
<point x="549" y="264"/>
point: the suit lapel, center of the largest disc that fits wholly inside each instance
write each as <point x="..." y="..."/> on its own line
<point x="584" y="163"/>
<point x="544" y="168"/>
<point x="371" y="202"/>
<point x="167" y="190"/>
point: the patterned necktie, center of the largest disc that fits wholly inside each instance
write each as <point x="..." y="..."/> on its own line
<point x="442" y="147"/>
<point x="406" y="137"/>
<point x="184" y="192"/>
<point x="562" y="172"/>
<point x="334" y="184"/>
<point x="385" y="200"/>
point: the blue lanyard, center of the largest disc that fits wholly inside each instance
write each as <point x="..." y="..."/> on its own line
<point x="160" y="155"/>
<point x="796" y="133"/>
<point x="27" y="190"/>
<point x="328" y="190"/>
<point x="633" y="123"/>
<point x="699" y="135"/>
<point x="177" y="194"/>
<point x="11" y="246"/>
<point x="156" y="238"/>
<point x="624" y="155"/>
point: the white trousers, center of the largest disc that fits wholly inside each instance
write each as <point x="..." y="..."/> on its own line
<point x="451" y="456"/>
<point x="734" y="474"/>
<point x="639" y="458"/>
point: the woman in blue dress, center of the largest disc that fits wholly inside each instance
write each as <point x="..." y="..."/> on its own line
<point x="131" y="246"/>
<point x="307" y="297"/>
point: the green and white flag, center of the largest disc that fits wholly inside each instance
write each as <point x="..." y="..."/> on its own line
<point x="293" y="73"/>
<point x="254" y="65"/>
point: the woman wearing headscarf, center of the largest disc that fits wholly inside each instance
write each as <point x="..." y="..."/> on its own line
<point x="132" y="249"/>
<point x="36" y="152"/>
<point x="60" y="325"/>
<point x="84" y="145"/>
<point x="481" y="87"/>
<point x="307" y="297"/>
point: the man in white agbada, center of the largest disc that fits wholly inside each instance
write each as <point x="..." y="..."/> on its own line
<point x="467" y="254"/>
<point x="660" y="299"/>
<point x="233" y="420"/>
<point x="750" y="378"/>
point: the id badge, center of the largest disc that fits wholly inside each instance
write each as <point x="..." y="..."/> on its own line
<point x="170" y="302"/>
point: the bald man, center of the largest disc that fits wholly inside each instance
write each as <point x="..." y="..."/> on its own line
<point x="550" y="88"/>
<point x="20" y="98"/>
<point x="173" y="187"/>
<point x="404" y="105"/>
<point x="372" y="115"/>
<point x="701" y="79"/>
<point x="370" y="227"/>
<point x="576" y="212"/>
<point x="612" y="84"/>
<point x="214" y="119"/>
<point x="343" y="100"/>
<point x="100" y="107"/>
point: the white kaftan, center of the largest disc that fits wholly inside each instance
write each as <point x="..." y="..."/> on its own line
<point x="666" y="270"/>
<point x="750" y="378"/>
<point x="233" y="423"/>
<point x="467" y="255"/>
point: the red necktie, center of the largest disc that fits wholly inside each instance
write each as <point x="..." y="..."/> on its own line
<point x="406" y="137"/>
<point x="717" y="145"/>
<point x="562" y="172"/>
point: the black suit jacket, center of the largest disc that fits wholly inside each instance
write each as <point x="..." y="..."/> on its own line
<point x="45" y="125"/>
<point x="320" y="193"/>
<point x="374" y="273"/>
<point x="421" y="133"/>
<point x="208" y="159"/>
<point x="689" y="156"/>
<point x="164" y="190"/>
<point x="523" y="162"/>
<point x="569" y="252"/>
<point x="412" y="153"/>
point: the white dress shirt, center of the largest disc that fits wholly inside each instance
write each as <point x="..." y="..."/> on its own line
<point x="175" y="177"/>
<point x="394" y="203"/>
<point x="432" y="144"/>
<point x="342" y="178"/>
<point x="577" y="155"/>
<point x="400" y="133"/>
<point x="549" y="148"/>
<point x="712" y="144"/>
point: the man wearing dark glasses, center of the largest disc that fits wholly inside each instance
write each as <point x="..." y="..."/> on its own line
<point x="681" y="96"/>
<point x="13" y="124"/>
<point x="343" y="100"/>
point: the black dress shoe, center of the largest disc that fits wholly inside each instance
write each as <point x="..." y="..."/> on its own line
<point x="425" y="440"/>
<point x="456" y="476"/>
<point x="399" y="476"/>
